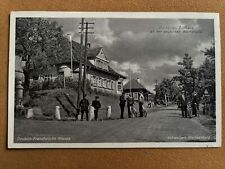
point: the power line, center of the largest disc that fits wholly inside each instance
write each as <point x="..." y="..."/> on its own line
<point x="86" y="28"/>
<point x="80" y="66"/>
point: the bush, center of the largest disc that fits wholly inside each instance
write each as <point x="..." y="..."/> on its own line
<point x="58" y="83"/>
<point x="36" y="85"/>
<point x="71" y="83"/>
<point x="102" y="93"/>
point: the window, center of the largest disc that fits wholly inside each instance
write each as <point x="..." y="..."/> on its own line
<point x="100" y="82"/>
<point x="94" y="81"/>
<point x="108" y="84"/>
<point x="119" y="86"/>
<point x="92" y="78"/>
<point x="135" y="95"/>
<point x="46" y="77"/>
<point x="112" y="85"/>
<point x="104" y="83"/>
<point x="97" y="63"/>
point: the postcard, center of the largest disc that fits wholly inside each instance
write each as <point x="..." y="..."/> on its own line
<point x="114" y="80"/>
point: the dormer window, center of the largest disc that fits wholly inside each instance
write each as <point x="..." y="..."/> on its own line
<point x="101" y="64"/>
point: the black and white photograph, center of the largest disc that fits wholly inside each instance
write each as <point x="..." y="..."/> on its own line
<point x="114" y="80"/>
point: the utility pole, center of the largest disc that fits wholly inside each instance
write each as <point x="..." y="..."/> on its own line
<point x="85" y="55"/>
<point x="130" y="80"/>
<point x="71" y="55"/>
<point x="80" y="65"/>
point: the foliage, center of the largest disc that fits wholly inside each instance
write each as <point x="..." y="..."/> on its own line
<point x="207" y="71"/>
<point x="57" y="83"/>
<point x="190" y="79"/>
<point x="36" y="85"/>
<point x="188" y="76"/>
<point x="167" y="87"/>
<point x="38" y="39"/>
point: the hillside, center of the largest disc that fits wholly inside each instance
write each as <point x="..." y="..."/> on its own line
<point x="46" y="100"/>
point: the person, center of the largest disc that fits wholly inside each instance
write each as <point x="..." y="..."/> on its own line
<point x="122" y="104"/>
<point x="97" y="105"/>
<point x="130" y="103"/>
<point x="150" y="104"/>
<point x="84" y="104"/>
<point x="141" y="102"/>
<point x="194" y="104"/>
<point x="183" y="104"/>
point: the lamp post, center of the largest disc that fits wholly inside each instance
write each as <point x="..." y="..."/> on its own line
<point x="71" y="54"/>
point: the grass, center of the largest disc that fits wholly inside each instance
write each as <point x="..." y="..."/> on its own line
<point x="46" y="101"/>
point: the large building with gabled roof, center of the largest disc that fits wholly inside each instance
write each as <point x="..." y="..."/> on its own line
<point x="102" y="77"/>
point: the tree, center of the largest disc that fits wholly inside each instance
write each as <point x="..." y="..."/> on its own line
<point x="39" y="40"/>
<point x="207" y="71"/>
<point x="188" y="75"/>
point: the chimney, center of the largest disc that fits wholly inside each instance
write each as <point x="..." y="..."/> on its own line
<point x="138" y="80"/>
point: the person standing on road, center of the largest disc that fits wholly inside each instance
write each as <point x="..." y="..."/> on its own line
<point x="130" y="104"/>
<point x="183" y="104"/>
<point x="194" y="104"/>
<point x="97" y="105"/>
<point x="141" y="102"/>
<point x="122" y="104"/>
<point x="84" y="104"/>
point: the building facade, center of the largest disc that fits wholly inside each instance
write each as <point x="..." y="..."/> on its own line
<point x="101" y="76"/>
<point x="134" y="88"/>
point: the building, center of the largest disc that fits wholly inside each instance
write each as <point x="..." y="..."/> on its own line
<point x="134" y="87"/>
<point x="99" y="73"/>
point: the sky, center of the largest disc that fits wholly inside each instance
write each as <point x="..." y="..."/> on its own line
<point x="146" y="48"/>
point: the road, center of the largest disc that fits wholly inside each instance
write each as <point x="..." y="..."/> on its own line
<point x="164" y="125"/>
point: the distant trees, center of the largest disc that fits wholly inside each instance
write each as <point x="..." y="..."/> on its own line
<point x="191" y="79"/>
<point x="165" y="90"/>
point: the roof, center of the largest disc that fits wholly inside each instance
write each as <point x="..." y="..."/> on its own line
<point x="93" y="52"/>
<point x="134" y="85"/>
<point x="110" y="70"/>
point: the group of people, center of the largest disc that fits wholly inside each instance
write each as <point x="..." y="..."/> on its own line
<point x="188" y="105"/>
<point x="130" y="105"/>
<point x="84" y="105"/>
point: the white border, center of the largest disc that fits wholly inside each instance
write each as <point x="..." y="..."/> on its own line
<point x="156" y="15"/>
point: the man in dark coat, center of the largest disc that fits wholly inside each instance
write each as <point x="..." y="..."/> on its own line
<point x="97" y="105"/>
<point x="183" y="104"/>
<point x="122" y="104"/>
<point x="194" y="104"/>
<point x="84" y="103"/>
<point x="141" y="102"/>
